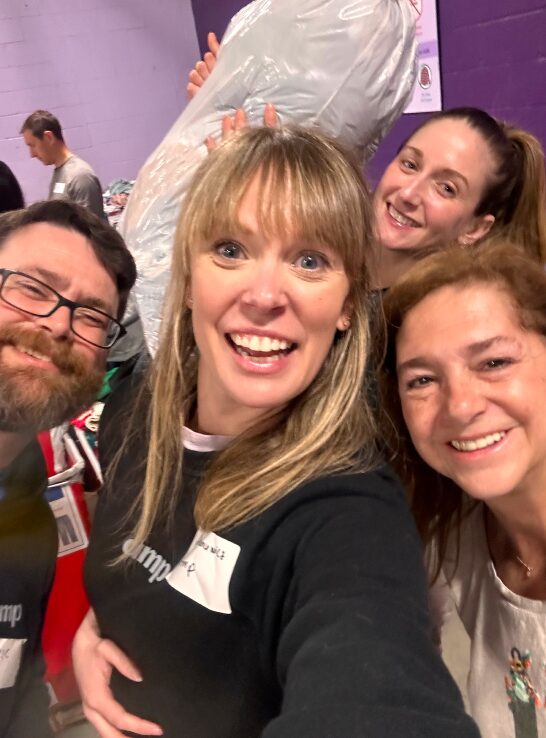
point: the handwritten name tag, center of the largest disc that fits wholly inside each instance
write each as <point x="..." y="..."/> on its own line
<point x="205" y="572"/>
<point x="11" y="650"/>
<point x="59" y="188"/>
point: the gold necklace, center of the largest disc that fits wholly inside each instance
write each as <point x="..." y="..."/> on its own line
<point x="528" y="569"/>
<point x="489" y="521"/>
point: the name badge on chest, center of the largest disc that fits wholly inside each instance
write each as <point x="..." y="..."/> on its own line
<point x="59" y="188"/>
<point x="204" y="574"/>
<point x="11" y="650"/>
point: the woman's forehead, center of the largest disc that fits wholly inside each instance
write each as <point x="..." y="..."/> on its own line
<point x="270" y="205"/>
<point x="459" y="315"/>
<point x="453" y="143"/>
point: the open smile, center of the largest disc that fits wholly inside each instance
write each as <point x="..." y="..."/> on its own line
<point x="260" y="349"/>
<point x="475" y="444"/>
<point x="32" y="357"/>
<point x="401" y="219"/>
<point x="34" y="354"/>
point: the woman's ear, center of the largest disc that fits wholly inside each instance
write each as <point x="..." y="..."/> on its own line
<point x="479" y="227"/>
<point x="344" y="320"/>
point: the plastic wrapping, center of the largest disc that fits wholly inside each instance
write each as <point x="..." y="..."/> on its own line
<point x="347" y="67"/>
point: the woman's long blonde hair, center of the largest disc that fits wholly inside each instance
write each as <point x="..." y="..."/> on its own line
<point x="311" y="188"/>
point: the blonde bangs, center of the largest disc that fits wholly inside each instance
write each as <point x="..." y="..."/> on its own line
<point x="309" y="193"/>
<point x="297" y="198"/>
<point x="308" y="189"/>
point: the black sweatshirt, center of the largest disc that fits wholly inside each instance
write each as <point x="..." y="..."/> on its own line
<point x="328" y="634"/>
<point x="28" y="549"/>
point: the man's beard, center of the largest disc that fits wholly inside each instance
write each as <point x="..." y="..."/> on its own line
<point x="34" y="398"/>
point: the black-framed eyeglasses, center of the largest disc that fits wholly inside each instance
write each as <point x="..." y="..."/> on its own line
<point x="32" y="296"/>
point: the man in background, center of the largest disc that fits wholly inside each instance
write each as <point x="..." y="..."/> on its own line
<point x="73" y="178"/>
<point x="65" y="276"/>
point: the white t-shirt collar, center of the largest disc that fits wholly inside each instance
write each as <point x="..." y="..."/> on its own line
<point x="194" y="441"/>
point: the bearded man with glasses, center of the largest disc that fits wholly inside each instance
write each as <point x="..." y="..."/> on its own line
<point x="64" y="281"/>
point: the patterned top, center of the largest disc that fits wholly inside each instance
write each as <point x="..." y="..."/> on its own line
<point x="507" y="677"/>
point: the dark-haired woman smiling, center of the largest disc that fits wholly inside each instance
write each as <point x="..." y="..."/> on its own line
<point x="461" y="177"/>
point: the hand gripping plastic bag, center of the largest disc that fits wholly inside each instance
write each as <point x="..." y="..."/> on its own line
<point x="347" y="67"/>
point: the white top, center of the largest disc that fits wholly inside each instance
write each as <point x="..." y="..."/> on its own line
<point x="194" y="441"/>
<point x="506" y="688"/>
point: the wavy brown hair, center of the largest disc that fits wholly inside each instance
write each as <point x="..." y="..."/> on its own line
<point x="310" y="187"/>
<point x="438" y="505"/>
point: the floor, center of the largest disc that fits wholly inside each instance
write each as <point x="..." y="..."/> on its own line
<point x="456" y="649"/>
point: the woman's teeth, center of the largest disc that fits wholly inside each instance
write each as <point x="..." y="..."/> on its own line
<point x="263" y="344"/>
<point x="402" y="219"/>
<point x="259" y="359"/>
<point x="477" y="443"/>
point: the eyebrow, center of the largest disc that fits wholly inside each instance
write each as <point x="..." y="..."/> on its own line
<point x="48" y="276"/>
<point x="471" y="350"/>
<point x="446" y="171"/>
<point x="60" y="283"/>
<point x="480" y="346"/>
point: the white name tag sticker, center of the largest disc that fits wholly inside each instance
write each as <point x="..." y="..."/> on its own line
<point x="11" y="650"/>
<point x="204" y="574"/>
<point x="59" y="188"/>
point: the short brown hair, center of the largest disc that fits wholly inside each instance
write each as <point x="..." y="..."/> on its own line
<point x="41" y="121"/>
<point x="437" y="503"/>
<point x="108" y="245"/>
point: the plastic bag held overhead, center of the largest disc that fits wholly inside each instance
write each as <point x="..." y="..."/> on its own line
<point x="347" y="67"/>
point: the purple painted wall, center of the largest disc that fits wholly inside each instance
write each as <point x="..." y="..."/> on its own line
<point x="493" y="55"/>
<point x="213" y="16"/>
<point x="113" y="71"/>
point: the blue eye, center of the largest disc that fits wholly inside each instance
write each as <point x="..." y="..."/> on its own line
<point x="311" y="262"/>
<point x="229" y="250"/>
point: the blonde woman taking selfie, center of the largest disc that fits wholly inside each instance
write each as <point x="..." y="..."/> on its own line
<point x="254" y="569"/>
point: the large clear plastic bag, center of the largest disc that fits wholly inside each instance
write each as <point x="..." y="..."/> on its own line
<point x="347" y="67"/>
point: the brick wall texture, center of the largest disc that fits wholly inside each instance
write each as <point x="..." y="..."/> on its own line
<point x="113" y="71"/>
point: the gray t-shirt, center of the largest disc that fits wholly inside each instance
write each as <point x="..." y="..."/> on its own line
<point x="76" y="181"/>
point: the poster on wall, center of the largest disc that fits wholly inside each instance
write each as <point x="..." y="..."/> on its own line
<point x="427" y="93"/>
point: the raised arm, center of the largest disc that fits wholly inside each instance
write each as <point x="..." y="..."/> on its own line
<point x="356" y="656"/>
